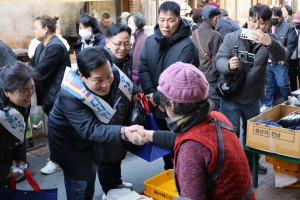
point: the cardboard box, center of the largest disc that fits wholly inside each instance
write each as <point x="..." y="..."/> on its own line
<point x="273" y="139"/>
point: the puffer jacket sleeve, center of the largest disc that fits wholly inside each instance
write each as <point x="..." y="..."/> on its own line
<point x="144" y="72"/>
<point x="190" y="55"/>
<point x="277" y="52"/>
<point x="85" y="122"/>
<point x="165" y="139"/>
<point x="224" y="55"/>
<point x="20" y="152"/>
<point x="292" y="42"/>
<point x="4" y="170"/>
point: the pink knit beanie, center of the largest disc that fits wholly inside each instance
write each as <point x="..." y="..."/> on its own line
<point x="183" y="83"/>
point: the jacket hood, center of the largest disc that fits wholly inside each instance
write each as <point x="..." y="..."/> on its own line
<point x="98" y="36"/>
<point x="164" y="42"/>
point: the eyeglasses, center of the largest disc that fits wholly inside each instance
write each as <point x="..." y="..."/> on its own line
<point x="43" y="21"/>
<point x="255" y="22"/>
<point x="119" y="45"/>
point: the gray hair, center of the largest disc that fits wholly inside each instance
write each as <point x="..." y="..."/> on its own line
<point x="138" y="19"/>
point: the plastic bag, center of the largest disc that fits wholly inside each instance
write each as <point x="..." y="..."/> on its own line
<point x="137" y="114"/>
<point x="293" y="101"/>
<point x="35" y="115"/>
<point x="124" y="194"/>
<point x="282" y="180"/>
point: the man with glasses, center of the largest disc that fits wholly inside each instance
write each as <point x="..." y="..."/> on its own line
<point x="171" y="42"/>
<point x="245" y="103"/>
<point x="109" y="156"/>
<point x="279" y="70"/>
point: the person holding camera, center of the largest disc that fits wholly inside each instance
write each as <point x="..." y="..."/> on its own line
<point x="245" y="102"/>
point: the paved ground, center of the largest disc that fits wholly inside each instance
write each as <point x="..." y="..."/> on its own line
<point x="136" y="171"/>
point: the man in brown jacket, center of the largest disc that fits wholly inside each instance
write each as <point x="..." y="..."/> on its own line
<point x="208" y="41"/>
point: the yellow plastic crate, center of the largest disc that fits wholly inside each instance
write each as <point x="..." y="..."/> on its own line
<point x="161" y="186"/>
<point x="290" y="168"/>
<point x="284" y="167"/>
<point x="295" y="185"/>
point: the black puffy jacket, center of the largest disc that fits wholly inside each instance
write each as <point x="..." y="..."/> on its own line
<point x="74" y="128"/>
<point x="99" y="40"/>
<point x="159" y="53"/>
<point x="11" y="149"/>
<point x="287" y="36"/>
<point x="50" y="62"/>
<point x="111" y="152"/>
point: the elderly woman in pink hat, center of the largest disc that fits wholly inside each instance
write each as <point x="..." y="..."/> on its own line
<point x="209" y="160"/>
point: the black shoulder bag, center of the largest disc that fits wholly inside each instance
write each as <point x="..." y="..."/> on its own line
<point x="232" y="83"/>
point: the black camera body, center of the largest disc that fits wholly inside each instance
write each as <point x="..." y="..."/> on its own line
<point x="244" y="56"/>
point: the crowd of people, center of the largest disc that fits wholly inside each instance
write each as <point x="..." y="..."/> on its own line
<point x="177" y="68"/>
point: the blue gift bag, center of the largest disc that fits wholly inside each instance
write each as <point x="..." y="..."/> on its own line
<point x="37" y="193"/>
<point x="149" y="151"/>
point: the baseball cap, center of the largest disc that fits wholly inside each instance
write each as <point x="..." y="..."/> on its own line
<point x="223" y="12"/>
<point x="124" y="14"/>
<point x="210" y="11"/>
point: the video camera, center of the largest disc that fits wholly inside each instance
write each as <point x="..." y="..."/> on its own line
<point x="244" y="56"/>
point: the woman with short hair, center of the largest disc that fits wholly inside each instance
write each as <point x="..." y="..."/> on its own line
<point x="88" y="29"/>
<point x="287" y="14"/>
<point x="16" y="89"/>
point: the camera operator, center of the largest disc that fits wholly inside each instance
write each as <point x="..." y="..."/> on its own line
<point x="245" y="103"/>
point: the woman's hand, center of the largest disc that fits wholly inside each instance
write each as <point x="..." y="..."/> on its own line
<point x="11" y="173"/>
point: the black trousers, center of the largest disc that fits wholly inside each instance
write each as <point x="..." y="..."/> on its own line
<point x="109" y="175"/>
<point x="294" y="71"/>
<point x="168" y="159"/>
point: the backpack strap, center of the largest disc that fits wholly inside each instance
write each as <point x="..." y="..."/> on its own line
<point x="221" y="155"/>
<point x="248" y="193"/>
<point x="201" y="48"/>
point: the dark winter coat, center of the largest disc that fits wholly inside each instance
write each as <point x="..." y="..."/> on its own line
<point x="50" y="62"/>
<point x="211" y="41"/>
<point x="6" y="54"/>
<point x="254" y="87"/>
<point x="111" y="152"/>
<point x="99" y="40"/>
<point x="159" y="53"/>
<point x="74" y="128"/>
<point x="11" y="149"/>
<point x="287" y="36"/>
<point x="225" y="26"/>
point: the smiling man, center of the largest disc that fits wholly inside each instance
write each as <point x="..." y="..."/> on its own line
<point x="170" y="43"/>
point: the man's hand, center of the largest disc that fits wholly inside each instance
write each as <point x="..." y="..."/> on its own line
<point x="261" y="37"/>
<point x="11" y="173"/>
<point x="150" y="98"/>
<point x="281" y="62"/>
<point x="135" y="137"/>
<point x="234" y="63"/>
<point x="146" y="134"/>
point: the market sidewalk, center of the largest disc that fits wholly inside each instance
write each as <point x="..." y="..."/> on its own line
<point x="136" y="171"/>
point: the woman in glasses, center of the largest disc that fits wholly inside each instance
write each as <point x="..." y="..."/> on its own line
<point x="50" y="60"/>
<point x="110" y="155"/>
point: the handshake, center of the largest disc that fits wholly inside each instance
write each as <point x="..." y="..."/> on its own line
<point x="137" y="135"/>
